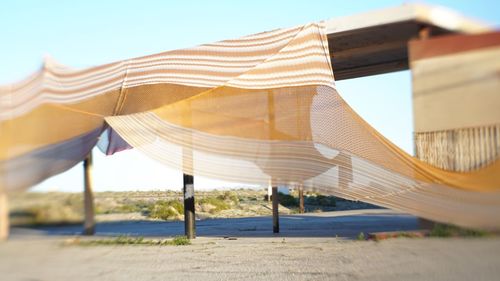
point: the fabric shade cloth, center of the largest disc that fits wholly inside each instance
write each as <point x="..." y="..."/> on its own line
<point x="258" y="109"/>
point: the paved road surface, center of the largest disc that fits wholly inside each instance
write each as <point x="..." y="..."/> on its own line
<point x="329" y="224"/>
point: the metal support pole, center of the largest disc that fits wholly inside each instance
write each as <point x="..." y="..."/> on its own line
<point x="301" y="199"/>
<point x="188" y="185"/>
<point x="189" y="213"/>
<point x="276" y="218"/>
<point x="4" y="216"/>
<point x="88" y="197"/>
<point x="274" y="195"/>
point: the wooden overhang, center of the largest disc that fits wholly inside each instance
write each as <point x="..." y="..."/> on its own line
<point x="376" y="42"/>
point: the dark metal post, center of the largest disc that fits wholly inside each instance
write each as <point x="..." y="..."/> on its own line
<point x="188" y="179"/>
<point x="88" y="197"/>
<point x="276" y="218"/>
<point x="274" y="195"/>
<point x="189" y="213"/>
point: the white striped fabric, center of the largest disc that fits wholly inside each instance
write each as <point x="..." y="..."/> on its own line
<point x="259" y="109"/>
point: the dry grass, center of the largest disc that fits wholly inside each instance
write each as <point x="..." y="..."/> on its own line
<point x="67" y="208"/>
<point x="446" y="230"/>
<point x="125" y="240"/>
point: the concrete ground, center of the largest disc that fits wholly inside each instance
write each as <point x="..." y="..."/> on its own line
<point x="307" y="249"/>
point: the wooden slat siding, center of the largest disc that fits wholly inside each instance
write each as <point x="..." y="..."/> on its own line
<point x="452" y="142"/>
<point x="459" y="150"/>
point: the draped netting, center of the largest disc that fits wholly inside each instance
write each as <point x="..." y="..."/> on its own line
<point x="260" y="109"/>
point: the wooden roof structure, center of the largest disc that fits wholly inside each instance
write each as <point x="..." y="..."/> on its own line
<point x="375" y="42"/>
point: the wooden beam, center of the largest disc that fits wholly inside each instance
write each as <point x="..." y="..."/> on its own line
<point x="367" y="70"/>
<point x="276" y="218"/>
<point x="375" y="42"/>
<point x="425" y="32"/>
<point x="88" y="197"/>
<point x="4" y="216"/>
<point x="189" y="212"/>
<point x="415" y="13"/>
<point x="301" y="199"/>
<point x="384" y="48"/>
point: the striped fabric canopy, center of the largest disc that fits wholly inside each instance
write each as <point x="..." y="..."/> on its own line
<point x="258" y="109"/>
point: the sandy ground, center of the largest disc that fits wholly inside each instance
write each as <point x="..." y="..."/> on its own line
<point x="41" y="255"/>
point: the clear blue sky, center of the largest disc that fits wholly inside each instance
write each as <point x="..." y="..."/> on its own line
<point x="87" y="33"/>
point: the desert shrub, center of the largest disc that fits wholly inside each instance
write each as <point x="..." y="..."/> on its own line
<point x="99" y="210"/>
<point x="48" y="214"/>
<point x="141" y="206"/>
<point x="162" y="212"/>
<point x="361" y="236"/>
<point x="125" y="207"/>
<point x="165" y="209"/>
<point x="321" y="200"/>
<point x="74" y="200"/>
<point x="23" y="217"/>
<point x="229" y="196"/>
<point x="288" y="200"/>
<point x="217" y="202"/>
<point x="446" y="230"/>
<point x="128" y="208"/>
<point x="180" y="241"/>
<point x="325" y="200"/>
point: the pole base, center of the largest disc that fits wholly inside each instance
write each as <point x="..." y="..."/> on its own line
<point x="88" y="231"/>
<point x="276" y="218"/>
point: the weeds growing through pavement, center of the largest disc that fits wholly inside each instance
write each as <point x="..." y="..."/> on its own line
<point x="361" y="236"/>
<point x="127" y="240"/>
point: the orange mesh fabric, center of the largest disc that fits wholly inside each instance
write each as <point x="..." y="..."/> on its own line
<point x="258" y="109"/>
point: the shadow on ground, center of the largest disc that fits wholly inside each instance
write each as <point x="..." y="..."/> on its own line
<point x="348" y="224"/>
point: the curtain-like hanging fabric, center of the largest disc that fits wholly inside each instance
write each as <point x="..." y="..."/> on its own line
<point x="258" y="109"/>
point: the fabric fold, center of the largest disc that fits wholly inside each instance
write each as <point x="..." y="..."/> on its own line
<point x="258" y="109"/>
